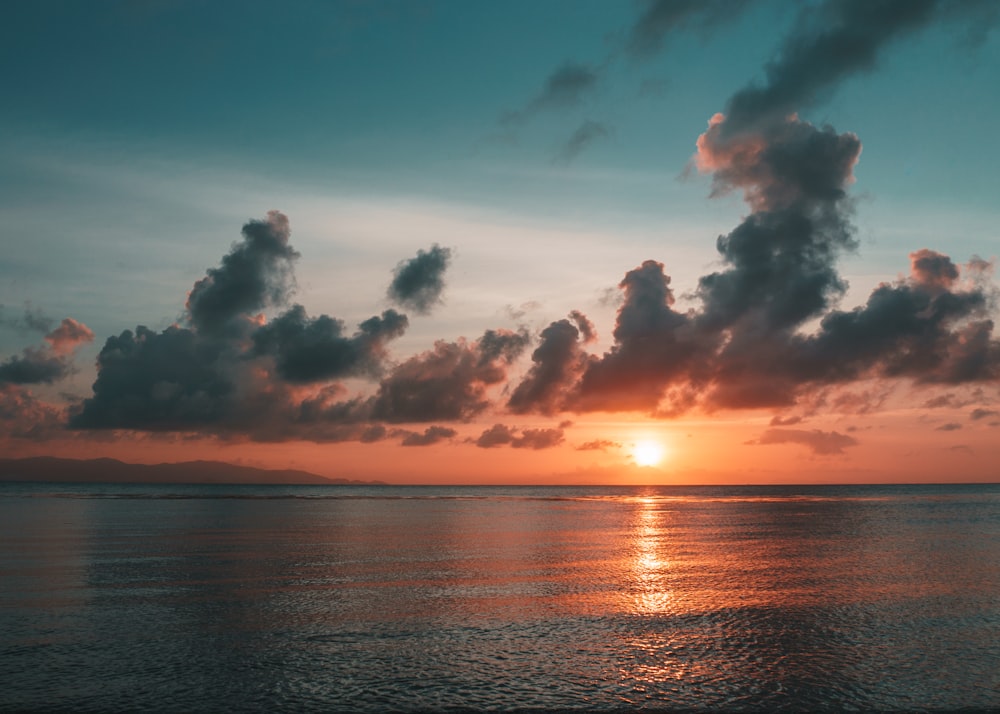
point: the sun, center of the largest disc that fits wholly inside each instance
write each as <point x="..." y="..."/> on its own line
<point x="647" y="452"/>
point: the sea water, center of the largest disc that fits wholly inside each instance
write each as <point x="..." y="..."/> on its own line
<point x="344" y="598"/>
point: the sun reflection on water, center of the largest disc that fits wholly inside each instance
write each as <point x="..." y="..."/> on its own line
<point x="651" y="564"/>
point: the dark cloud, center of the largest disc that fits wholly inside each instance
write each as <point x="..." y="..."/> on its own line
<point x="587" y="331"/>
<point x="538" y="439"/>
<point x="430" y="436"/>
<point x="598" y="445"/>
<point x="977" y="414"/>
<point x="820" y="442"/>
<point x="255" y="274"/>
<point x="942" y="400"/>
<point x="745" y="345"/>
<point x="32" y="367"/>
<point x="564" y="88"/>
<point x="557" y="364"/>
<point x="173" y="380"/>
<point x="449" y="382"/>
<point x="229" y="373"/>
<point x="583" y="137"/>
<point x="831" y="42"/>
<point x="950" y="426"/>
<point x="23" y="416"/>
<point x="785" y="421"/>
<point x="653" y="345"/>
<point x="661" y="18"/>
<point x="418" y="283"/>
<point x="373" y="433"/>
<point x="47" y="364"/>
<point x="313" y="349"/>
<point x="502" y="435"/>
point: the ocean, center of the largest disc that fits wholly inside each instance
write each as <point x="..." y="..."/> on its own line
<point x="388" y="598"/>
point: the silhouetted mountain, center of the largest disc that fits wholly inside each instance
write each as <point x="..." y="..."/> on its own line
<point x="47" y="468"/>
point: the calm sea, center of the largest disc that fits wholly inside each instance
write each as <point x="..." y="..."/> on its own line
<point x="230" y="598"/>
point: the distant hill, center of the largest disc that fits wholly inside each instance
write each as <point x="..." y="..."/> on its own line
<point x="48" y="468"/>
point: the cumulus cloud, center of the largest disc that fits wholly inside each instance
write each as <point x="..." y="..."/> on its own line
<point x="823" y="443"/>
<point x="68" y="336"/>
<point x="32" y="367"/>
<point x="160" y="381"/>
<point x="48" y="363"/>
<point x="313" y="349"/>
<point x="744" y="347"/>
<point x="417" y="283"/>
<point x="430" y="436"/>
<point x="653" y="345"/>
<point x="450" y="381"/>
<point x="502" y="435"/>
<point x="950" y="426"/>
<point x="557" y="363"/>
<point x="24" y="416"/>
<point x="230" y="372"/>
<point x="255" y="274"/>
<point x="977" y="414"/>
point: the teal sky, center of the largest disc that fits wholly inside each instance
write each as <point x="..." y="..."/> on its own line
<point x="136" y="138"/>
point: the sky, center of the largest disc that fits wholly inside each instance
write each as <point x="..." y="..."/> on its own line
<point x="453" y="241"/>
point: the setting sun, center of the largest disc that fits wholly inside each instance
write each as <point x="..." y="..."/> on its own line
<point x="648" y="452"/>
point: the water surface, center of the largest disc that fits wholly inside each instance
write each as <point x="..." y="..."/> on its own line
<point x="359" y="598"/>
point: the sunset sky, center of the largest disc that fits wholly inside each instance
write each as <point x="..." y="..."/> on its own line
<point x="558" y="241"/>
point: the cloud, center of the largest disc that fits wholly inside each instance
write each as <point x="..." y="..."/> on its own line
<point x="166" y="381"/>
<point x="951" y="426"/>
<point x="255" y="274"/>
<point x="598" y="445"/>
<point x="831" y="42"/>
<point x="661" y="18"/>
<point x="564" y="88"/>
<point x="978" y="414"/>
<point x="785" y="421"/>
<point x="745" y="344"/>
<point x="557" y="363"/>
<point x="23" y="416"/>
<point x="502" y="435"/>
<point x="33" y="320"/>
<point x="583" y="137"/>
<point x="32" y="367"/>
<point x="942" y="400"/>
<point x="449" y="382"/>
<point x="653" y="345"/>
<point x="228" y="372"/>
<point x="418" y="283"/>
<point x="587" y="331"/>
<point x="51" y="362"/>
<point x="430" y="436"/>
<point x="314" y="349"/>
<point x="68" y="336"/>
<point x="820" y="442"/>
